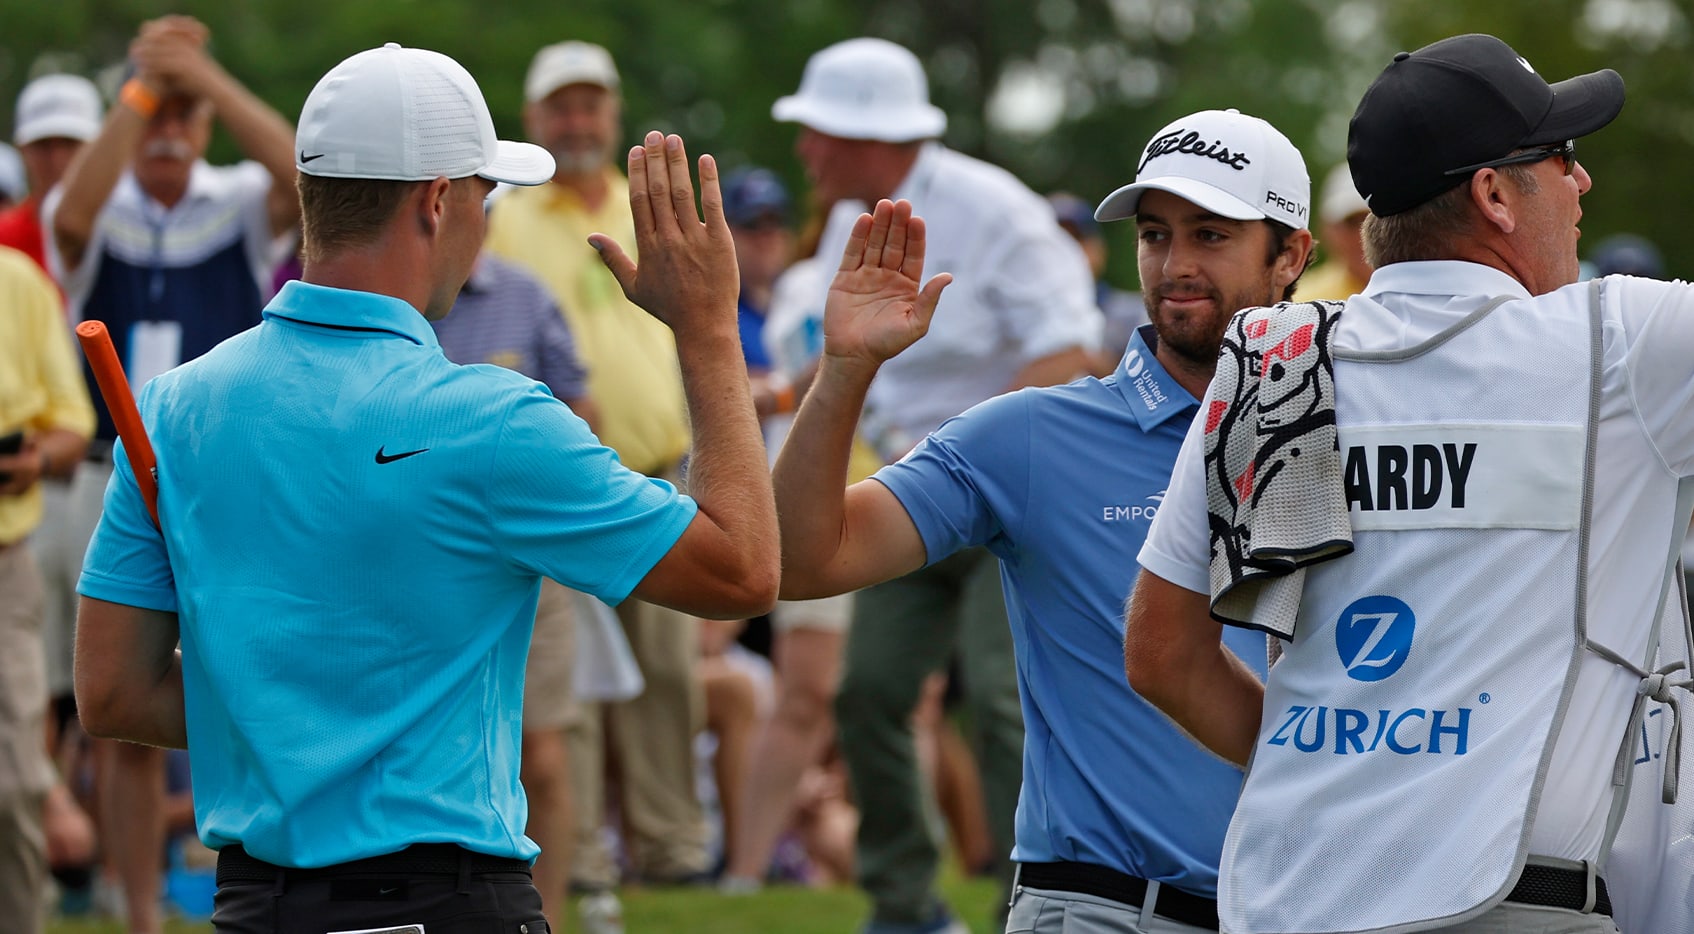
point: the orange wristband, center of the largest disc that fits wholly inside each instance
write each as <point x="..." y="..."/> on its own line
<point x="139" y="98"/>
<point x="783" y="399"/>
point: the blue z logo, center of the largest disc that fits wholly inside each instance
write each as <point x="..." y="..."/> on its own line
<point x="1374" y="637"/>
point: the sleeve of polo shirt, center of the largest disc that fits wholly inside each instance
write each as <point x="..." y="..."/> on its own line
<point x="76" y="282"/>
<point x="967" y="483"/>
<point x="1658" y="328"/>
<point x="561" y="503"/>
<point x="1179" y="543"/>
<point x="127" y="562"/>
<point x="561" y="369"/>
<point x="37" y="302"/>
<point x="251" y="184"/>
<point x="1038" y="283"/>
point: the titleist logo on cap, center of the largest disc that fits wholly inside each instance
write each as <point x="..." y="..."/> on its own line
<point x="1187" y="141"/>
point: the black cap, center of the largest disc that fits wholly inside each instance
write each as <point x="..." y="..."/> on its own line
<point x="1458" y="102"/>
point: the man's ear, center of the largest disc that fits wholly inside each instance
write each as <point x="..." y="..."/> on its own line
<point x="432" y="206"/>
<point x="1291" y="262"/>
<point x="1495" y="199"/>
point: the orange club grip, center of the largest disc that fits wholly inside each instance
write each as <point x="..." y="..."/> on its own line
<point x="114" y="388"/>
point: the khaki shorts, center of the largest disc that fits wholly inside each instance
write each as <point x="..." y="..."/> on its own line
<point x="830" y="614"/>
<point x="549" y="692"/>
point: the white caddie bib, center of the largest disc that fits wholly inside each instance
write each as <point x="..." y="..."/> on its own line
<point x="1408" y="728"/>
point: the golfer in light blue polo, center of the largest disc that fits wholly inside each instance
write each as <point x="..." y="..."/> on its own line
<point x="1121" y="818"/>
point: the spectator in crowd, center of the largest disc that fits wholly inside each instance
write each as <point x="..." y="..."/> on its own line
<point x="1627" y="254"/>
<point x="573" y="109"/>
<point x="1345" y="270"/>
<point x="1123" y="310"/>
<point x="1463" y="660"/>
<point x="171" y="253"/>
<point x="1023" y="314"/>
<point x="506" y="317"/>
<point x="55" y="116"/>
<point x="45" y="421"/>
<point x="351" y="700"/>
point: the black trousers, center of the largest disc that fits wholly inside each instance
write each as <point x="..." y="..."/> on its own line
<point x="444" y="888"/>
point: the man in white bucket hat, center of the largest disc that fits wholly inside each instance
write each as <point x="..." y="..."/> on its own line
<point x="353" y="531"/>
<point x="1020" y="313"/>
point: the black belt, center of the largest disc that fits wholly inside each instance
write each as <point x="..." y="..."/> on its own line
<point x="442" y="859"/>
<point x="1089" y="879"/>
<point x="1554" y="887"/>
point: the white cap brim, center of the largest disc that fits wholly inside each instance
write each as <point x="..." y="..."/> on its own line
<point x="63" y="126"/>
<point x="1126" y="200"/>
<point x="904" y="126"/>
<point x="519" y="164"/>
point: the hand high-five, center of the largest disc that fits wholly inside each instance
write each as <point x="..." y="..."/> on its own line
<point x="687" y="277"/>
<point x="875" y="308"/>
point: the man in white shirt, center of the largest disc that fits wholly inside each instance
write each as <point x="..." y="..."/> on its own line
<point x="1020" y="313"/>
<point x="1435" y="748"/>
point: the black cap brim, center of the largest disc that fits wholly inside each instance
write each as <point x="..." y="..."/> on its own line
<point x="1581" y="105"/>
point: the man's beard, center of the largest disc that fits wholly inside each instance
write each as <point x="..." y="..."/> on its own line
<point x="581" y="161"/>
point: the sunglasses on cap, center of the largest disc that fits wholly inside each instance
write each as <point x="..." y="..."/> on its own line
<point x="1565" y="150"/>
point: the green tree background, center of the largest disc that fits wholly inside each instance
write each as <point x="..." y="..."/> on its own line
<point x="1062" y="92"/>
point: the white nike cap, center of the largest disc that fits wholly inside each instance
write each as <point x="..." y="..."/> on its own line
<point x="408" y="115"/>
<point x="1226" y="162"/>
<point x="864" y="89"/>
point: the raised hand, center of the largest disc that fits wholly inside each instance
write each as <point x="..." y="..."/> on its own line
<point x="170" y="52"/>
<point x="875" y="307"/>
<point x="687" y="277"/>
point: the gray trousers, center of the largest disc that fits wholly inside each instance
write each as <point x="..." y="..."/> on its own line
<point x="1513" y="918"/>
<point x="902" y="631"/>
<point x="1041" y="911"/>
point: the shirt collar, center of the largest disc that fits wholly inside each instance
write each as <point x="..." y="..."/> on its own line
<point x="1151" y="393"/>
<point x="320" y="305"/>
<point x="202" y="183"/>
<point x="1443" y="277"/>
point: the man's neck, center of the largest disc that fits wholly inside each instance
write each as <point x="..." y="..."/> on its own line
<point x="592" y="188"/>
<point x="893" y="173"/>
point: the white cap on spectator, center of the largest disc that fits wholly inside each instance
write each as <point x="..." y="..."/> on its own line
<point x="1231" y="164"/>
<point x="864" y="89"/>
<point x="565" y="63"/>
<point x="408" y="115"/>
<point x="57" y="107"/>
<point x="1340" y="199"/>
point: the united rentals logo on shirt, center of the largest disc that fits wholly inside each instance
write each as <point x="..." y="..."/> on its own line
<point x="1143" y="381"/>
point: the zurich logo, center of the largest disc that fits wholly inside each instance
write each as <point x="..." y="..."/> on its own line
<point x="1374" y="637"/>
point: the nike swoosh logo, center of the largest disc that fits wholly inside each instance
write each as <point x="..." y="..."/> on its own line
<point x="305" y="158"/>
<point x="383" y="458"/>
<point x="388" y="891"/>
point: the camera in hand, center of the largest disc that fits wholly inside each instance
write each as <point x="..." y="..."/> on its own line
<point x="9" y="445"/>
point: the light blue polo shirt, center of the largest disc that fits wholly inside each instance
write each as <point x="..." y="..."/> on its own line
<point x="355" y="530"/>
<point x="1061" y="483"/>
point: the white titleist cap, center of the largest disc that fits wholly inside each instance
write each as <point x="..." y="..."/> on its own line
<point x="1226" y="162"/>
<point x="57" y="107"/>
<point x="864" y="89"/>
<point x="408" y="115"/>
<point x="564" y="63"/>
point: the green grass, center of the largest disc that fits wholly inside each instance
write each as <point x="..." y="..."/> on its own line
<point x="784" y="909"/>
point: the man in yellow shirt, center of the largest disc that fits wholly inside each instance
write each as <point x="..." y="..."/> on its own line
<point x="1345" y="271"/>
<point x="45" y="422"/>
<point x="572" y="107"/>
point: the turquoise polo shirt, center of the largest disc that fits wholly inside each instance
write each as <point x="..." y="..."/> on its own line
<point x="355" y="531"/>
<point x="1061" y="484"/>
